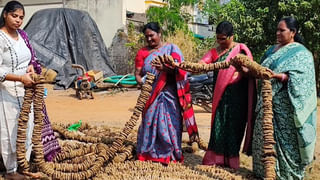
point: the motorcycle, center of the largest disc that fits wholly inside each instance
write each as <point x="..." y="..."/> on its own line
<point x="201" y="89"/>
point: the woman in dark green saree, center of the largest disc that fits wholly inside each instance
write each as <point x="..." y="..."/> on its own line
<point x="294" y="105"/>
<point x="232" y="104"/>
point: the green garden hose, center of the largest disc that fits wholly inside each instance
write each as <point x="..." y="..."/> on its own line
<point x="128" y="79"/>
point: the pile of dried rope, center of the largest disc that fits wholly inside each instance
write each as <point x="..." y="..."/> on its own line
<point x="84" y="156"/>
<point x="85" y="153"/>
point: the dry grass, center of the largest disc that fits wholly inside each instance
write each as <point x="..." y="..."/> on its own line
<point x="186" y="43"/>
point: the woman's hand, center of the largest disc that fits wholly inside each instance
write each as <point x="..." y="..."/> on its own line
<point x="137" y="74"/>
<point x="282" y="77"/>
<point x="269" y="70"/>
<point x="241" y="70"/>
<point x="30" y="69"/>
<point x="244" y="69"/>
<point x="161" y="65"/>
<point x="26" y="79"/>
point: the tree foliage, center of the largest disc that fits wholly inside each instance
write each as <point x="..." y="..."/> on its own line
<point x="255" y="22"/>
<point x="173" y="16"/>
<point x="173" y="19"/>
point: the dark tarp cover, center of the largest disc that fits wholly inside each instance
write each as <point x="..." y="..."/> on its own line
<point x="62" y="37"/>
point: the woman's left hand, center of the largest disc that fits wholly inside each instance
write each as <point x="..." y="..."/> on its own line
<point x="161" y="66"/>
<point x="158" y="66"/>
<point x="244" y="69"/>
<point x="282" y="77"/>
<point x="30" y="69"/>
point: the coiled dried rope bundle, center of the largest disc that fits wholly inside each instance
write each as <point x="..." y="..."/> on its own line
<point x="141" y="102"/>
<point x="269" y="153"/>
<point x="149" y="170"/>
<point x="216" y="172"/>
<point x="99" y="153"/>
<point x="254" y="70"/>
<point x="22" y="130"/>
<point x="74" y="135"/>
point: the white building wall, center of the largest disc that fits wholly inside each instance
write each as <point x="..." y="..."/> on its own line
<point x="224" y="1"/>
<point x="32" y="6"/>
<point x="136" y="6"/>
<point x="110" y="15"/>
<point x="200" y="22"/>
<point x="149" y="3"/>
<point x="202" y="29"/>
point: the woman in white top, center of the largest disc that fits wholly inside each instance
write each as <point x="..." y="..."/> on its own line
<point x="17" y="63"/>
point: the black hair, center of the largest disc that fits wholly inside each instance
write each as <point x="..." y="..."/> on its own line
<point x="154" y="26"/>
<point x="11" y="6"/>
<point x="225" y="27"/>
<point x="293" y="25"/>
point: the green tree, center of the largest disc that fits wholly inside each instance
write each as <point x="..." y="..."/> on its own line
<point x="174" y="19"/>
<point x="255" y="22"/>
<point x="173" y="16"/>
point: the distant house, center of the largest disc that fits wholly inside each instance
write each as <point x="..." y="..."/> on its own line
<point x="200" y="24"/>
<point x="224" y="1"/>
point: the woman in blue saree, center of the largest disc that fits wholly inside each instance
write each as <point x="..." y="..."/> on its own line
<point x="294" y="105"/>
<point x="160" y="132"/>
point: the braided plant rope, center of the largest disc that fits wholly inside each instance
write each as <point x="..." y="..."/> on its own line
<point x="255" y="70"/>
<point x="90" y="166"/>
<point x="149" y="170"/>
<point x="22" y="130"/>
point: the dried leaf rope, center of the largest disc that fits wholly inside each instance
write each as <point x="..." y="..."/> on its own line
<point x="254" y="70"/>
<point x="22" y="130"/>
<point x="149" y="170"/>
<point x="90" y="166"/>
<point x="269" y="153"/>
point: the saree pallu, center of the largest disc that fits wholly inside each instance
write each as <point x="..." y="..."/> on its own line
<point x="160" y="132"/>
<point x="232" y="110"/>
<point x="294" y="112"/>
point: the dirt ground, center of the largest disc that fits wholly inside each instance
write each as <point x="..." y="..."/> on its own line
<point x="115" y="108"/>
<point x="112" y="108"/>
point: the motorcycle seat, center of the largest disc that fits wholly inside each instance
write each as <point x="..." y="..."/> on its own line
<point x="208" y="81"/>
<point x="198" y="78"/>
